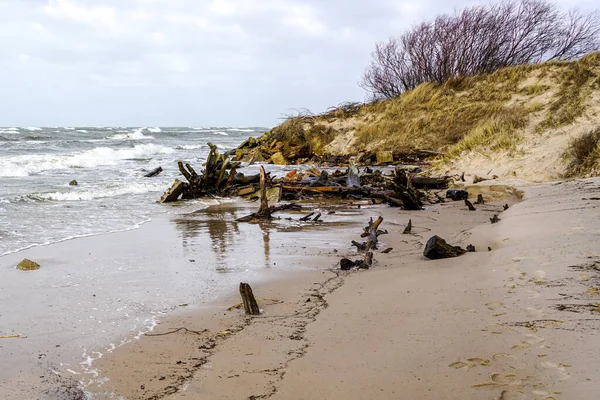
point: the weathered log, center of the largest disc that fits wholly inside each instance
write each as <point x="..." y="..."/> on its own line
<point x="154" y="172"/>
<point x="470" y="205"/>
<point x="173" y="193"/>
<point x="307" y="217"/>
<point x="368" y="260"/>
<point x="359" y="246"/>
<point x="222" y="172"/>
<point x="315" y="219"/>
<point x="184" y="172"/>
<point x="437" y="248"/>
<point x="430" y="182"/>
<point x="408" y="228"/>
<point x="406" y="192"/>
<point x="263" y="211"/>
<point x="372" y="232"/>
<point x="456" y="194"/>
<point x="250" y="304"/>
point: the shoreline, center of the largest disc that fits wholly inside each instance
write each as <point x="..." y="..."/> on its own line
<point x="173" y="364"/>
<point x="94" y="294"/>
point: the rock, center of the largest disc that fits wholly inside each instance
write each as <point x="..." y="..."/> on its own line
<point x="73" y="183"/>
<point x="346" y="264"/>
<point x="173" y="193"/>
<point x="437" y="248"/>
<point x="278" y="159"/>
<point x="384" y="157"/>
<point x="28" y="265"/>
<point x="471" y="248"/>
<point x="456" y="194"/>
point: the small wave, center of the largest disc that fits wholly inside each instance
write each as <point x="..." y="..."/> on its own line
<point x="4" y="201"/>
<point x="154" y="130"/>
<point x="240" y="130"/>
<point x="190" y="147"/>
<point x="138" y="134"/>
<point x="25" y="165"/>
<point x="220" y="133"/>
<point x="86" y="195"/>
<point x="82" y="130"/>
<point x="33" y="128"/>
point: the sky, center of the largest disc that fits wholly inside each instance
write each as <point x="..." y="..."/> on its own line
<point x="192" y="62"/>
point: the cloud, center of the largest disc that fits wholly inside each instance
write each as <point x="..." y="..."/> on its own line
<point x="189" y="62"/>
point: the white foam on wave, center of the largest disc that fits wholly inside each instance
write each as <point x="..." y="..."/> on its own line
<point x="240" y="130"/>
<point x="82" y="130"/>
<point x="138" y="134"/>
<point x="190" y="146"/>
<point x="25" y="165"/>
<point x="99" y="192"/>
<point x="220" y="133"/>
<point x="33" y="128"/>
<point x="155" y="130"/>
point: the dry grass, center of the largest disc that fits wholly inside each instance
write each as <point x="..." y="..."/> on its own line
<point x="483" y="113"/>
<point x="583" y="155"/>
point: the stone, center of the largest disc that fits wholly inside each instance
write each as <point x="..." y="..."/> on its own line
<point x="173" y="193"/>
<point x="73" y="183"/>
<point x="346" y="264"/>
<point x="437" y="248"/>
<point x="278" y="159"/>
<point x="28" y="265"/>
<point x="456" y="194"/>
<point x="384" y="157"/>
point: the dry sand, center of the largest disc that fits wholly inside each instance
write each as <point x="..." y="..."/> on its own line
<point x="518" y="322"/>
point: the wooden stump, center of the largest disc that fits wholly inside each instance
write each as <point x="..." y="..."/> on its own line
<point x="250" y="304"/>
<point x="408" y="228"/>
<point x="480" y="199"/>
<point x="470" y="205"/>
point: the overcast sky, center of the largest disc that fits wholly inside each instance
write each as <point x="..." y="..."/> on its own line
<point x="191" y="62"/>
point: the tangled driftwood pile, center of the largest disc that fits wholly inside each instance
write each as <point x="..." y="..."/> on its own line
<point x="220" y="177"/>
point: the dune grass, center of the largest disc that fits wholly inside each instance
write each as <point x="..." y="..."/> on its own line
<point x="583" y="154"/>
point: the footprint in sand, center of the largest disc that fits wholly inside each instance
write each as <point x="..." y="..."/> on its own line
<point x="555" y="371"/>
<point x="534" y="312"/>
<point x="512" y="395"/>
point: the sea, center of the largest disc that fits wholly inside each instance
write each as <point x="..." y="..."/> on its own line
<point x="39" y="207"/>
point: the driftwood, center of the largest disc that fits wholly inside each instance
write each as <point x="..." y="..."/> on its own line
<point x="408" y="228"/>
<point x="429" y="182"/>
<point x="505" y="207"/>
<point x="250" y="304"/>
<point x="480" y="199"/>
<point x="494" y="219"/>
<point x="470" y="205"/>
<point x="154" y="172"/>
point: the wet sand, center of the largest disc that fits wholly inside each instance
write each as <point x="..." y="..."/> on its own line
<point x="95" y="294"/>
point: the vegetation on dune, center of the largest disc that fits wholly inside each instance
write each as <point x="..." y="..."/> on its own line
<point x="583" y="155"/>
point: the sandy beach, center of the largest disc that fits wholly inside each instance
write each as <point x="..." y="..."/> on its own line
<point x="517" y="322"/>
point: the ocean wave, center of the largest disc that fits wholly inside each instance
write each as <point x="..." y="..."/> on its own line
<point x="154" y="130"/>
<point x="138" y="134"/>
<point x="82" y="130"/>
<point x="33" y="128"/>
<point x="25" y="165"/>
<point x="220" y="133"/>
<point x="240" y="130"/>
<point x="190" y="146"/>
<point x="99" y="192"/>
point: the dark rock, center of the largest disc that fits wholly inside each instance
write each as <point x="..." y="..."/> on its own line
<point x="456" y="194"/>
<point x="346" y="264"/>
<point x="437" y="248"/>
<point x="471" y="248"/>
<point x="494" y="219"/>
<point x="73" y="183"/>
<point x="154" y="172"/>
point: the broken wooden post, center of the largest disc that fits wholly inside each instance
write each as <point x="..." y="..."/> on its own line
<point x="480" y="199"/>
<point x="505" y="207"/>
<point x="371" y="229"/>
<point x="250" y="304"/>
<point x="173" y="193"/>
<point x="408" y="228"/>
<point x="495" y="219"/>
<point x="368" y="260"/>
<point x="470" y="205"/>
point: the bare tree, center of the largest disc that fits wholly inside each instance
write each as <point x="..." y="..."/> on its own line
<point x="479" y="39"/>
